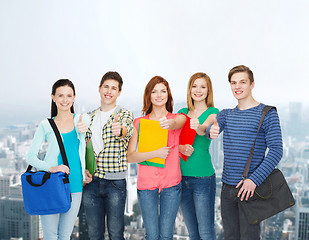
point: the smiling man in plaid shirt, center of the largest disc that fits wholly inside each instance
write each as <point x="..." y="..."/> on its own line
<point x="110" y="130"/>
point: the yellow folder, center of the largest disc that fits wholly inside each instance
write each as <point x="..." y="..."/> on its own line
<point x="152" y="137"/>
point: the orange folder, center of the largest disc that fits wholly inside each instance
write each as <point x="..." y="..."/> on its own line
<point x="152" y="137"/>
<point x="187" y="136"/>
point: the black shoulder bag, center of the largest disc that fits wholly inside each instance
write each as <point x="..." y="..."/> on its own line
<point x="272" y="196"/>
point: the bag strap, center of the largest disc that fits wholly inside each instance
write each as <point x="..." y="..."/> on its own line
<point x="265" y="110"/>
<point x="60" y="143"/>
<point x="59" y="140"/>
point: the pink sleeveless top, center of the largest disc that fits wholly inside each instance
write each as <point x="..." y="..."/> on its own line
<point x="149" y="177"/>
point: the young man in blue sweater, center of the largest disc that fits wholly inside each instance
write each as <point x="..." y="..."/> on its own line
<point x="240" y="126"/>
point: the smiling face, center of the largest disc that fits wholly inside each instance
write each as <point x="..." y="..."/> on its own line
<point x="199" y="90"/>
<point x="241" y="86"/>
<point x="159" y="95"/>
<point x="64" y="98"/>
<point x="109" y="92"/>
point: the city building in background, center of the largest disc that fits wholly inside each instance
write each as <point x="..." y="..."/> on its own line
<point x="302" y="219"/>
<point x="291" y="224"/>
<point x="14" y="221"/>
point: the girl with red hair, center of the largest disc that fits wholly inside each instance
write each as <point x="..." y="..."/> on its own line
<point x="159" y="189"/>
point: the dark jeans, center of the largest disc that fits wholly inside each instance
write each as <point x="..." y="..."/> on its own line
<point x="103" y="198"/>
<point x="235" y="224"/>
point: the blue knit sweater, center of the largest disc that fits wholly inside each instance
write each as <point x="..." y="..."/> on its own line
<point x="240" y="128"/>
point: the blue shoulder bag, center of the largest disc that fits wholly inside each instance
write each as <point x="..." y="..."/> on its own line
<point x="44" y="192"/>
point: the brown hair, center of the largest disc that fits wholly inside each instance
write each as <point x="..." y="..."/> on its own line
<point x="209" y="98"/>
<point x="112" y="76"/>
<point x="147" y="105"/>
<point x="241" y="68"/>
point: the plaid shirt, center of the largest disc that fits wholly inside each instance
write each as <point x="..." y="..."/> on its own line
<point x="113" y="157"/>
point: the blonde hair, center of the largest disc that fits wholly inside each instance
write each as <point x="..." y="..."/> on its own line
<point x="209" y="98"/>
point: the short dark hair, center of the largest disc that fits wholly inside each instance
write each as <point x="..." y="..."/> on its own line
<point x="241" y="68"/>
<point x="112" y="76"/>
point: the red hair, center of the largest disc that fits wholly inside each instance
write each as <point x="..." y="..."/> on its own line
<point x="147" y="105"/>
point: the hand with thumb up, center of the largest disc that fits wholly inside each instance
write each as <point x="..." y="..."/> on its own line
<point x="194" y="122"/>
<point x="116" y="127"/>
<point x="81" y="126"/>
<point x="214" y="130"/>
<point x="164" y="123"/>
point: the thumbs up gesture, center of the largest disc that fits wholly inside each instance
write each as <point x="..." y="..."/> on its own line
<point x="81" y="126"/>
<point x="214" y="130"/>
<point x="194" y="122"/>
<point x="116" y="127"/>
<point x="164" y="123"/>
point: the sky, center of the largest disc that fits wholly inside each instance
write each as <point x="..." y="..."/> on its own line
<point x="43" y="41"/>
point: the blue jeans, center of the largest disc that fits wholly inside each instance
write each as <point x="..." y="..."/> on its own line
<point x="159" y="211"/>
<point x="198" y="206"/>
<point x="60" y="226"/>
<point x="235" y="224"/>
<point x="102" y="198"/>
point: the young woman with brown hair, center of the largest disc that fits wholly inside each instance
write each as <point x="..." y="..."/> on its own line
<point x="159" y="189"/>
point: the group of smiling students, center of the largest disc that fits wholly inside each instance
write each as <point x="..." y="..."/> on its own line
<point x="114" y="134"/>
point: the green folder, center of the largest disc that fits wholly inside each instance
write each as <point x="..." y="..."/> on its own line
<point x="91" y="164"/>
